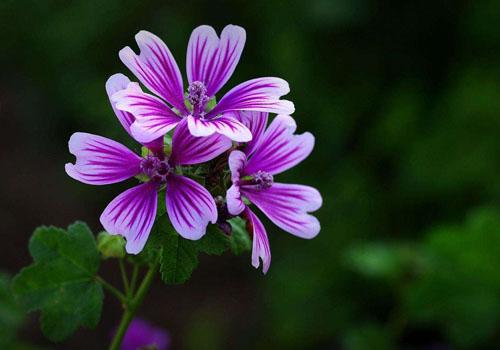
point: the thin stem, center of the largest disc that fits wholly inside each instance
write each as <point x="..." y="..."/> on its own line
<point x="133" y="280"/>
<point x="124" y="277"/>
<point x="132" y="306"/>
<point x="113" y="290"/>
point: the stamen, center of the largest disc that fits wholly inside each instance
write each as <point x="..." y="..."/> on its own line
<point x="197" y="97"/>
<point x="156" y="169"/>
<point x="261" y="180"/>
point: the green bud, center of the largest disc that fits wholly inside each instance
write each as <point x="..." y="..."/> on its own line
<point x="110" y="246"/>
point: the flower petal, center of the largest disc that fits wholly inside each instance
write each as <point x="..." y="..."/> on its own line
<point x="100" y="161"/>
<point x="156" y="68"/>
<point x="261" y="94"/>
<point x="188" y="149"/>
<point x="235" y="204"/>
<point x="256" y="122"/>
<point x="279" y="148"/>
<point x="189" y="206"/>
<point x="227" y="126"/>
<point x="287" y="206"/>
<point x="115" y="83"/>
<point x="153" y="118"/>
<point x="260" y="246"/>
<point x="212" y="61"/>
<point x="118" y="82"/>
<point x="132" y="215"/>
<point x="237" y="161"/>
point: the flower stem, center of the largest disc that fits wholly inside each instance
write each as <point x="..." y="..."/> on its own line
<point x="112" y="289"/>
<point x="123" y="271"/>
<point x="132" y="306"/>
<point x="133" y="280"/>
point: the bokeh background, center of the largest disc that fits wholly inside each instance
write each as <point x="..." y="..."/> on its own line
<point x="404" y="101"/>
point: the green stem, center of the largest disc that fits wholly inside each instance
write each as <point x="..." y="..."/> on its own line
<point x="113" y="290"/>
<point x="133" y="280"/>
<point x="124" y="277"/>
<point x="132" y="306"/>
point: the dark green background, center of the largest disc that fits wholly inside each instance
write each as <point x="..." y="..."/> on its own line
<point x="404" y="101"/>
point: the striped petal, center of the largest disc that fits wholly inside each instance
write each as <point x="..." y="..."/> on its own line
<point x="188" y="149"/>
<point x="153" y="118"/>
<point x="261" y="95"/>
<point x="156" y="68"/>
<point x="212" y="61"/>
<point x="260" y="246"/>
<point x="256" y="122"/>
<point x="279" y="149"/>
<point x="115" y="83"/>
<point x="287" y="207"/>
<point x="118" y="82"/>
<point x="132" y="215"/>
<point x="237" y="161"/>
<point x="190" y="207"/>
<point x="227" y="126"/>
<point x="100" y="161"/>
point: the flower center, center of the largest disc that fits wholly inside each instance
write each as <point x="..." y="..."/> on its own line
<point x="156" y="169"/>
<point x="261" y="180"/>
<point x="197" y="97"/>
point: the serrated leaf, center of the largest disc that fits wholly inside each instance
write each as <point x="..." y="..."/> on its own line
<point x="61" y="281"/>
<point x="179" y="257"/>
<point x="214" y="242"/>
<point x="240" y="241"/>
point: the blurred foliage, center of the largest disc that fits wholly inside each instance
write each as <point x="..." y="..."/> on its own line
<point x="404" y="101"/>
<point x="12" y="317"/>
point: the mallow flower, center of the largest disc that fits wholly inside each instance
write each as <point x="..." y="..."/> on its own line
<point x="101" y="161"/>
<point x="210" y="62"/>
<point x="272" y="151"/>
<point x="143" y="335"/>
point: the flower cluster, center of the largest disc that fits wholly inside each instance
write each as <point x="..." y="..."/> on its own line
<point x="184" y="130"/>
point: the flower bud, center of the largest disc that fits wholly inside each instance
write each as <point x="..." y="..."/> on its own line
<point x="110" y="246"/>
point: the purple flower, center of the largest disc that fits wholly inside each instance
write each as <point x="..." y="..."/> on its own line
<point x="142" y="335"/>
<point x="271" y="152"/>
<point x="101" y="161"/>
<point x="210" y="63"/>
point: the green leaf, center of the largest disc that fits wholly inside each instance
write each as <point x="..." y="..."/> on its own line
<point x="240" y="241"/>
<point x="214" y="242"/>
<point x="61" y="281"/>
<point x="179" y="257"/>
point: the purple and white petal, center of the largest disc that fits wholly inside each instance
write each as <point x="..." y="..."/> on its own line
<point x="260" y="246"/>
<point x="100" y="161"/>
<point x="212" y="61"/>
<point x="279" y="148"/>
<point x="261" y="95"/>
<point x="190" y="207"/>
<point x="235" y="204"/>
<point x="256" y="122"/>
<point x="153" y="118"/>
<point x="188" y="149"/>
<point x="156" y="68"/>
<point x="115" y="83"/>
<point x="223" y="125"/>
<point x="237" y="162"/>
<point x="287" y="206"/>
<point x="132" y="215"/>
<point x="118" y="82"/>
